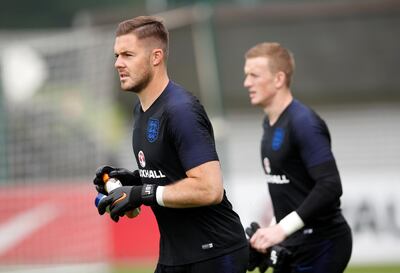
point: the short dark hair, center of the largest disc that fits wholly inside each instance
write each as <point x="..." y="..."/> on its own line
<point x="145" y="27"/>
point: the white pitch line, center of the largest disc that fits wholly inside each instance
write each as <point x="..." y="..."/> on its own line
<point x="22" y="225"/>
<point x="61" y="268"/>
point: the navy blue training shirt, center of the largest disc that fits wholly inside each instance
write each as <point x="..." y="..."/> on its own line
<point x="173" y="136"/>
<point x="301" y="172"/>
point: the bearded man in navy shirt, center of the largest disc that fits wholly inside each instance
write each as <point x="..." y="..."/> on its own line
<point x="179" y="172"/>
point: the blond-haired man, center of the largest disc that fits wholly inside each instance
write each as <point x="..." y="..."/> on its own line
<point x="301" y="172"/>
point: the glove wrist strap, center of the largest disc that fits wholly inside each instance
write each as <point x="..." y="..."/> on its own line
<point x="149" y="194"/>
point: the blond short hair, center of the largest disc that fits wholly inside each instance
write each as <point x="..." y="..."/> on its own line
<point x="280" y="59"/>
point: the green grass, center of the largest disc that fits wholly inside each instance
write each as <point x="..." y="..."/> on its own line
<point x="374" y="269"/>
<point x="352" y="269"/>
<point x="126" y="269"/>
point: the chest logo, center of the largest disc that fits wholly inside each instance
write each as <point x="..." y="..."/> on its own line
<point x="142" y="160"/>
<point x="277" y="139"/>
<point x="153" y="127"/>
<point x="273" y="178"/>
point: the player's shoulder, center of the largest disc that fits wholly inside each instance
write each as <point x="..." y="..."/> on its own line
<point x="302" y="115"/>
<point x="177" y="95"/>
<point x="304" y="120"/>
<point x="179" y="100"/>
<point x="136" y="108"/>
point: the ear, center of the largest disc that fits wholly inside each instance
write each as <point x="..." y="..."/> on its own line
<point x="280" y="79"/>
<point x="157" y="56"/>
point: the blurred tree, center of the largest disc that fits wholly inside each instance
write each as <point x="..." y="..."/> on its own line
<point x="60" y="13"/>
<point x="52" y="13"/>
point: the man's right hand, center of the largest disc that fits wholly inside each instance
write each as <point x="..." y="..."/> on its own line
<point x="126" y="177"/>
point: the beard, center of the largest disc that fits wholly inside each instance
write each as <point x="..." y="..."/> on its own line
<point x="142" y="83"/>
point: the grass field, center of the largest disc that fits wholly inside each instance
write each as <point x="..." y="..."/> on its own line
<point x="352" y="269"/>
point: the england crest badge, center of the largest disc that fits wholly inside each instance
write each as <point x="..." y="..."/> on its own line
<point x="153" y="126"/>
<point x="277" y="139"/>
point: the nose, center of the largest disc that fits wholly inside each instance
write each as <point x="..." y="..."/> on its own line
<point x="118" y="63"/>
<point x="246" y="83"/>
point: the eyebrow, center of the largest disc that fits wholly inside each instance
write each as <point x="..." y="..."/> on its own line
<point x="124" y="52"/>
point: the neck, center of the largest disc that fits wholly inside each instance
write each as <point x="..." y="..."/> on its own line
<point x="278" y="105"/>
<point x="153" y="90"/>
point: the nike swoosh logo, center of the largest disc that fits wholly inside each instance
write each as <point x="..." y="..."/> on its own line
<point x="119" y="199"/>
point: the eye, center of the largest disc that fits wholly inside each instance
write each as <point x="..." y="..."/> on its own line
<point x="253" y="75"/>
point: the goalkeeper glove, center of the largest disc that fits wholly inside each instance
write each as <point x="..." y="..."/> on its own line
<point x="277" y="256"/>
<point x="255" y="257"/>
<point x="126" y="198"/>
<point x="126" y="177"/>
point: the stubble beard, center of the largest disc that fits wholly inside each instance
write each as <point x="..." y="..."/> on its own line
<point x="141" y="84"/>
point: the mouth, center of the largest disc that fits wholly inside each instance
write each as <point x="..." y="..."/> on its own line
<point x="252" y="94"/>
<point x="123" y="76"/>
